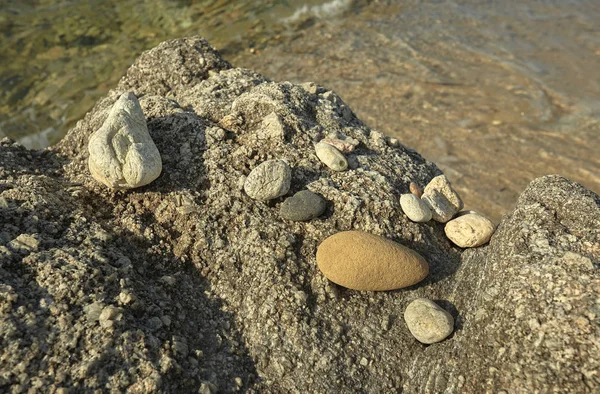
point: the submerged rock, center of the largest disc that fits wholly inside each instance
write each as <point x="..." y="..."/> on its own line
<point x="122" y="153"/>
<point x="363" y="261"/>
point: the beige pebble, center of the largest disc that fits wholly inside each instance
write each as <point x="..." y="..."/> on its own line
<point x="341" y="145"/>
<point x="427" y="321"/>
<point x="443" y="200"/>
<point x="469" y="230"/>
<point x="363" y="261"/>
<point x="416" y="189"/>
<point x="331" y="156"/>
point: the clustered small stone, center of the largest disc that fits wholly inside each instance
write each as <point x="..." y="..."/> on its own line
<point x="123" y="155"/>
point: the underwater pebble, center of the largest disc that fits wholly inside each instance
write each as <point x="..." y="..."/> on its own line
<point x="269" y="180"/>
<point x="302" y="206"/>
<point x="442" y="199"/>
<point x="331" y="156"/>
<point x="415" y="208"/>
<point x="122" y="153"/>
<point x="363" y="261"/>
<point x="427" y="321"/>
<point x="469" y="230"/>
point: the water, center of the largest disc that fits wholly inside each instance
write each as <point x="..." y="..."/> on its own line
<point x="58" y="57"/>
<point x="495" y="92"/>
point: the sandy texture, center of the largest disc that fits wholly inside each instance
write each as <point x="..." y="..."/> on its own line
<point x="188" y="281"/>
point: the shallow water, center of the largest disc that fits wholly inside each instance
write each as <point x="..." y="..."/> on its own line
<point x="496" y="93"/>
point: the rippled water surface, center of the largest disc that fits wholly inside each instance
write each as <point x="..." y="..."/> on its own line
<point x="495" y="92"/>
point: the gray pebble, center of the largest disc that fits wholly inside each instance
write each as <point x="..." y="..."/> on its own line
<point x="302" y="206"/>
<point x="415" y="208"/>
<point x="268" y="180"/>
<point x="427" y="321"/>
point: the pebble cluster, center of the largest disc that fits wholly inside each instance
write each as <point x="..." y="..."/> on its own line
<point x="123" y="155"/>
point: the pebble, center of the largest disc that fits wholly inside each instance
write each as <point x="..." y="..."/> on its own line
<point x="331" y="156"/>
<point x="122" y="153"/>
<point x="363" y="261"/>
<point x="269" y="180"/>
<point x="341" y="145"/>
<point x="302" y="206"/>
<point x="415" y="208"/>
<point x="469" y="230"/>
<point x="416" y="189"/>
<point x="441" y="198"/>
<point x="427" y="321"/>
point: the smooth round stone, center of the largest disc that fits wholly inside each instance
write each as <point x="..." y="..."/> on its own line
<point x="427" y="321"/>
<point x="331" y="156"/>
<point x="269" y="180"/>
<point x="442" y="199"/>
<point x="302" y="206"/>
<point x="469" y="230"/>
<point x="415" y="208"/>
<point x="363" y="261"/>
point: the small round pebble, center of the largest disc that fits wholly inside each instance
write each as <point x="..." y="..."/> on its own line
<point x="363" y="261"/>
<point x="331" y="156"/>
<point x="269" y="180"/>
<point x="427" y="321"/>
<point x="302" y="206"/>
<point x="415" y="208"/>
<point x="469" y="230"/>
<point x="416" y="189"/>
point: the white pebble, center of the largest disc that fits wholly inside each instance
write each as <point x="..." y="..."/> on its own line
<point x="442" y="199"/>
<point x="331" y="156"/>
<point x="427" y="321"/>
<point x="469" y="230"/>
<point x="122" y="153"/>
<point x="415" y="208"/>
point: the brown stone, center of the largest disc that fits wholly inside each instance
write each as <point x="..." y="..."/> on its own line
<point x="363" y="261"/>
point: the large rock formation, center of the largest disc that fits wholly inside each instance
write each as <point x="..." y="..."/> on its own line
<point x="189" y="285"/>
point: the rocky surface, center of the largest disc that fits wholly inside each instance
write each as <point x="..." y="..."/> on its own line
<point x="189" y="285"/>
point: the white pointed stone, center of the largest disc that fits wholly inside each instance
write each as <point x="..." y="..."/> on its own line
<point x="122" y="153"/>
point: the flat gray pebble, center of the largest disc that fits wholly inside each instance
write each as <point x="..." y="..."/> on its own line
<point x="415" y="208"/>
<point x="302" y="206"/>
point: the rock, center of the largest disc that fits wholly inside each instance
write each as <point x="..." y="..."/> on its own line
<point x="363" y="261"/>
<point x="331" y="156"/>
<point x="442" y="199"/>
<point x="244" y="275"/>
<point x="415" y="208"/>
<point x="269" y="180"/>
<point x="469" y="230"/>
<point x="416" y="189"/>
<point x="272" y="128"/>
<point x="427" y="321"/>
<point x="302" y="206"/>
<point x="122" y="153"/>
<point x="341" y="145"/>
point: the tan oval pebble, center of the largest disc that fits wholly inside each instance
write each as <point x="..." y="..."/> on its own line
<point x="427" y="321"/>
<point x="469" y="230"/>
<point x="363" y="261"/>
<point x="331" y="156"/>
<point x="416" y="189"/>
